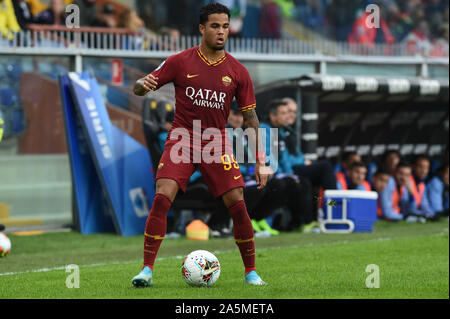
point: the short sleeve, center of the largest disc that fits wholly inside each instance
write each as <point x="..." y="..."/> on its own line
<point x="245" y="93"/>
<point x="166" y="71"/>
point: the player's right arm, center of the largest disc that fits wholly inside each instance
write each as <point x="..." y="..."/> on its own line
<point x="145" y="84"/>
<point x="164" y="73"/>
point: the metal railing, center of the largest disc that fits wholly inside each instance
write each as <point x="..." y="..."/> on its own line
<point x="91" y="38"/>
<point x="106" y="42"/>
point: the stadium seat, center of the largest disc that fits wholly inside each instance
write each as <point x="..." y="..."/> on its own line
<point x="117" y="97"/>
<point x="8" y="96"/>
<point x="13" y="70"/>
<point x="2" y="73"/>
<point x="17" y="121"/>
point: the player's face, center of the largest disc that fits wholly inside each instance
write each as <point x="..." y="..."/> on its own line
<point x="421" y="168"/>
<point x="215" y="31"/>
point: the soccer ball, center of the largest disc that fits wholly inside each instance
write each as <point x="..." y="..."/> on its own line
<point x="200" y="268"/>
<point x="5" y="245"/>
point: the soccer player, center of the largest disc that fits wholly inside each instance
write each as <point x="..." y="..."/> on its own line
<point x="206" y="79"/>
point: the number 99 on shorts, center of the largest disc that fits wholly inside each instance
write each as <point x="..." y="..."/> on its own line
<point x="229" y="162"/>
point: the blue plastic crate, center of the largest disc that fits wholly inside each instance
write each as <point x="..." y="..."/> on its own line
<point x="347" y="211"/>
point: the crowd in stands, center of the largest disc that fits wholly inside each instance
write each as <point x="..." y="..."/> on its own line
<point x="422" y="25"/>
<point x="293" y="197"/>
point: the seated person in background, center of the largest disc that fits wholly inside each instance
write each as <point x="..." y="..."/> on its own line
<point x="320" y="174"/>
<point x="129" y="19"/>
<point x="379" y="182"/>
<point x="291" y="160"/>
<point x="288" y="120"/>
<point x="292" y="111"/>
<point x="88" y="10"/>
<point x="436" y="192"/>
<point x="347" y="159"/>
<point x="420" y="170"/>
<point x="54" y="15"/>
<point x="8" y="20"/>
<point x="395" y="200"/>
<point x="281" y="190"/>
<point x="106" y="17"/>
<point x="36" y="7"/>
<point x="356" y="178"/>
<point x="23" y="13"/>
<point x="389" y="161"/>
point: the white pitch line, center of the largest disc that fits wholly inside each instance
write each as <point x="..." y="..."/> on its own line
<point x="218" y="252"/>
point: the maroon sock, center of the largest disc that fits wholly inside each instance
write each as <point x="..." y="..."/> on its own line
<point x="243" y="234"/>
<point x="155" y="228"/>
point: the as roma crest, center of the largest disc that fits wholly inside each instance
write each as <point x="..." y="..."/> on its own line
<point x="226" y="80"/>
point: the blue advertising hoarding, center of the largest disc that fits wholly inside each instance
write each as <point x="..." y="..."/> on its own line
<point x="91" y="213"/>
<point x="123" y="165"/>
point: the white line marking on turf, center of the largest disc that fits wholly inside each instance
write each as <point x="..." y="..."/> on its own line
<point x="217" y="252"/>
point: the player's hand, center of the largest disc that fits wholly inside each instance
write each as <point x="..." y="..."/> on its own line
<point x="149" y="82"/>
<point x="262" y="173"/>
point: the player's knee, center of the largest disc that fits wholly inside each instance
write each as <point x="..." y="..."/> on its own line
<point x="167" y="187"/>
<point x="233" y="196"/>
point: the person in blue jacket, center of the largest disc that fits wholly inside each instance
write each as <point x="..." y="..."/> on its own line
<point x="355" y="178"/>
<point x="396" y="200"/>
<point x="437" y="192"/>
<point x="319" y="173"/>
<point x="282" y="190"/>
<point x="417" y="184"/>
<point x="280" y="141"/>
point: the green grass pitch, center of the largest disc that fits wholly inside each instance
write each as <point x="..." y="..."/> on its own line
<point x="413" y="262"/>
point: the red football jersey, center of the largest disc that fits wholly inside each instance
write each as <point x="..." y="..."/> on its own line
<point x="204" y="90"/>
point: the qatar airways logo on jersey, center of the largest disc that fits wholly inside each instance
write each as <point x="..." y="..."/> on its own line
<point x="206" y="98"/>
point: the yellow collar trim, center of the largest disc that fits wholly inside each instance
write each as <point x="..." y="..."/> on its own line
<point x="205" y="59"/>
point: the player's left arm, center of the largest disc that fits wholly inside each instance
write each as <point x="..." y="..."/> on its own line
<point x="261" y="171"/>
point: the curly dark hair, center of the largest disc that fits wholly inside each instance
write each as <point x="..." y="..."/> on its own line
<point x="212" y="8"/>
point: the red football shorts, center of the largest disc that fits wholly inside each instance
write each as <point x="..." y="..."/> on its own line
<point x="220" y="177"/>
